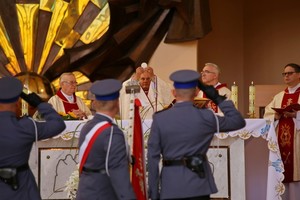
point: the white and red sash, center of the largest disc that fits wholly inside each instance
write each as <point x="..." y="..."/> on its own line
<point x="89" y="140"/>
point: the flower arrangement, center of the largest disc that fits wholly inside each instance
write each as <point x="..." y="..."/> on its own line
<point x="68" y="116"/>
<point x="72" y="184"/>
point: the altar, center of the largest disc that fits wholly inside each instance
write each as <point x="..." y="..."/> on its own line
<point x="54" y="160"/>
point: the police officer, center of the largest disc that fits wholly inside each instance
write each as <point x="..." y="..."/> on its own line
<point x="104" y="165"/>
<point x="16" y="139"/>
<point x="181" y="135"/>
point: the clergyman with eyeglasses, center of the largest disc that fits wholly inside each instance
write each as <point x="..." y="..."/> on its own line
<point x="287" y="126"/>
<point x="210" y="76"/>
<point x="65" y="100"/>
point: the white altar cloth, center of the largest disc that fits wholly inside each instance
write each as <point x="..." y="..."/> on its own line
<point x="254" y="127"/>
<point x="265" y="129"/>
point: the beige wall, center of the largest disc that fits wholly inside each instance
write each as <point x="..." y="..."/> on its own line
<point x="252" y="40"/>
<point x="171" y="57"/>
<point x="224" y="44"/>
<point x="272" y="39"/>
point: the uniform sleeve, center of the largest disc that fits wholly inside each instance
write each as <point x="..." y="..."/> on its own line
<point x="232" y="119"/>
<point x="154" y="153"/>
<point x="53" y="124"/>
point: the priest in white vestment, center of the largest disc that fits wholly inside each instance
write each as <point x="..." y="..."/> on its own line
<point x="155" y="94"/>
<point x="287" y="126"/>
<point x="65" y="100"/>
<point x="210" y="76"/>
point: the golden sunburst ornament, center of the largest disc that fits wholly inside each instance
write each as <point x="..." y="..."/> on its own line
<point x="35" y="33"/>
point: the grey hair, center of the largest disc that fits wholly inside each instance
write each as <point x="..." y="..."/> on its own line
<point x="215" y="66"/>
<point x="65" y="74"/>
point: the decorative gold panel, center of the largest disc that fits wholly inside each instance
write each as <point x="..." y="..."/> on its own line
<point x="57" y="16"/>
<point x="26" y="15"/>
<point x="12" y="66"/>
<point x="98" y="27"/>
<point x="44" y="29"/>
<point x="45" y="25"/>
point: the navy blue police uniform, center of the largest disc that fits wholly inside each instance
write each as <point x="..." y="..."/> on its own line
<point x="182" y="135"/>
<point x="105" y="173"/>
<point x="17" y="137"/>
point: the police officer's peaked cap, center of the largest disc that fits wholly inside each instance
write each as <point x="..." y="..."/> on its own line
<point x="10" y="89"/>
<point x="107" y="89"/>
<point x="184" y="79"/>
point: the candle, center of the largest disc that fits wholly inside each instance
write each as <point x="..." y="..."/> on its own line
<point x="251" y="99"/>
<point x="24" y="108"/>
<point x="234" y="94"/>
<point x="24" y="104"/>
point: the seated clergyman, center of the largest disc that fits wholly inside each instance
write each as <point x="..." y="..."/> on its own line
<point x="65" y="100"/>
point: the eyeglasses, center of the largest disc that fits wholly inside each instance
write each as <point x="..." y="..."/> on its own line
<point x="207" y="72"/>
<point x="70" y="82"/>
<point x="288" y="73"/>
<point x="145" y="79"/>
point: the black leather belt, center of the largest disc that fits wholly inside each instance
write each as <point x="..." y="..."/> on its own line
<point x="174" y="162"/>
<point x="23" y="167"/>
<point x="101" y="171"/>
<point x="182" y="161"/>
<point x="19" y="169"/>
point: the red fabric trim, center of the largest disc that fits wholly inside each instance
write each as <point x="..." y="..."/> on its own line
<point x="69" y="107"/>
<point x="221" y="86"/>
<point x="286" y="128"/>
<point x="89" y="146"/>
<point x="138" y="179"/>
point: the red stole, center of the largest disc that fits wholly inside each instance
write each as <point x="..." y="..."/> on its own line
<point x="286" y="128"/>
<point x="69" y="107"/>
<point x="211" y="104"/>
